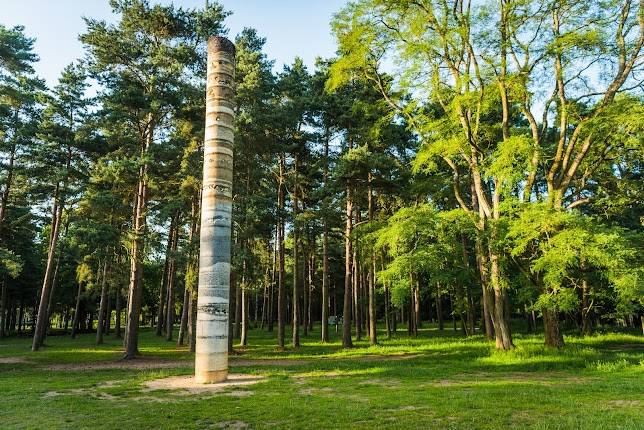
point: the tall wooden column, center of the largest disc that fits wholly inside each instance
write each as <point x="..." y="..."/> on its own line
<point x="211" y="360"/>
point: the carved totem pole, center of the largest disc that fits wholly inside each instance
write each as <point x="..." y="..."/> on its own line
<point x="211" y="360"/>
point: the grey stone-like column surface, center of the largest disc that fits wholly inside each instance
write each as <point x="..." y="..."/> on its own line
<point x="211" y="360"/>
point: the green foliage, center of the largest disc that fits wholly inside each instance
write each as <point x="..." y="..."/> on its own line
<point x="563" y="247"/>
<point x="10" y="263"/>
<point x="510" y="161"/>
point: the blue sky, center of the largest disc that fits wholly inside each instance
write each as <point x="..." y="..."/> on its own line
<point x="292" y="28"/>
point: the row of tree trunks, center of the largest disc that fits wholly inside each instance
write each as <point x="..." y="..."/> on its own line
<point x="164" y="277"/>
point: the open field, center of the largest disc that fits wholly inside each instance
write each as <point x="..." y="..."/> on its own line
<point x="438" y="380"/>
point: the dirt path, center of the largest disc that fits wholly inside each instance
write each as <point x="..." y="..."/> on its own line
<point x="145" y="363"/>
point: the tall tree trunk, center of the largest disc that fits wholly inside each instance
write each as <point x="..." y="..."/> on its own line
<point x="191" y="275"/>
<point x="192" y="321"/>
<point x="312" y="288"/>
<point x="4" y="198"/>
<point x="501" y="318"/>
<point x="117" y="313"/>
<point x="357" y="302"/>
<point x="3" y="305"/>
<point x="586" y="324"/>
<point x="271" y="286"/>
<point x="296" y="246"/>
<point x="281" y="293"/>
<point x="306" y="289"/>
<point x="183" y="326"/>
<point x="487" y="299"/>
<point x="76" y="320"/>
<point x="107" y="322"/>
<point x="54" y="283"/>
<point x="388" y="316"/>
<point x="470" y="326"/>
<point x="243" y="338"/>
<point x="553" y="336"/>
<point x="135" y="288"/>
<point x="42" y="317"/>
<point x="164" y="278"/>
<point x="373" y="337"/>
<point x="232" y="305"/>
<point x="102" y="312"/>
<point x="417" y="322"/>
<point x="348" y="257"/>
<point x="241" y="314"/>
<point x="439" y="308"/>
<point x="172" y="268"/>
<point x="325" y="283"/>
<point x="21" y="315"/>
<point x="325" y="249"/>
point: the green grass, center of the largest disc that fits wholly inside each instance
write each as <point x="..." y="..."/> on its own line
<point x="449" y="382"/>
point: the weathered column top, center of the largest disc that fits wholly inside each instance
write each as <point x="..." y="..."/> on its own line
<point x="220" y="43"/>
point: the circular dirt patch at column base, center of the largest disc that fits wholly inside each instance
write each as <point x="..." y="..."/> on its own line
<point x="188" y="383"/>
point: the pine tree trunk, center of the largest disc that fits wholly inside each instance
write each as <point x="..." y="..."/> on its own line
<point x="281" y="293"/>
<point x="243" y="339"/>
<point x="164" y="277"/>
<point x="238" y="311"/>
<point x="117" y="316"/>
<point x="103" y="305"/>
<point x="12" y="318"/>
<point x="373" y="336"/>
<point x="183" y="326"/>
<point x="357" y="305"/>
<point x="232" y="306"/>
<point x="21" y="316"/>
<point x="107" y="323"/>
<point x="3" y="305"/>
<point x="76" y="320"/>
<point x="135" y="288"/>
<point x="306" y="290"/>
<point x="42" y="317"/>
<point x="271" y="286"/>
<point x="311" y="283"/>
<point x="172" y="268"/>
<point x="296" y="246"/>
<point x="325" y="283"/>
<point x="348" y="257"/>
<point x="54" y="283"/>
<point x="4" y="199"/>
<point x="192" y="271"/>
<point x="192" y="321"/>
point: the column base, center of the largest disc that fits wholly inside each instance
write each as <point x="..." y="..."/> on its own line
<point x="211" y="376"/>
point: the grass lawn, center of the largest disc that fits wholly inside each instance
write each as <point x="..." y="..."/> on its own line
<point x="438" y="380"/>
